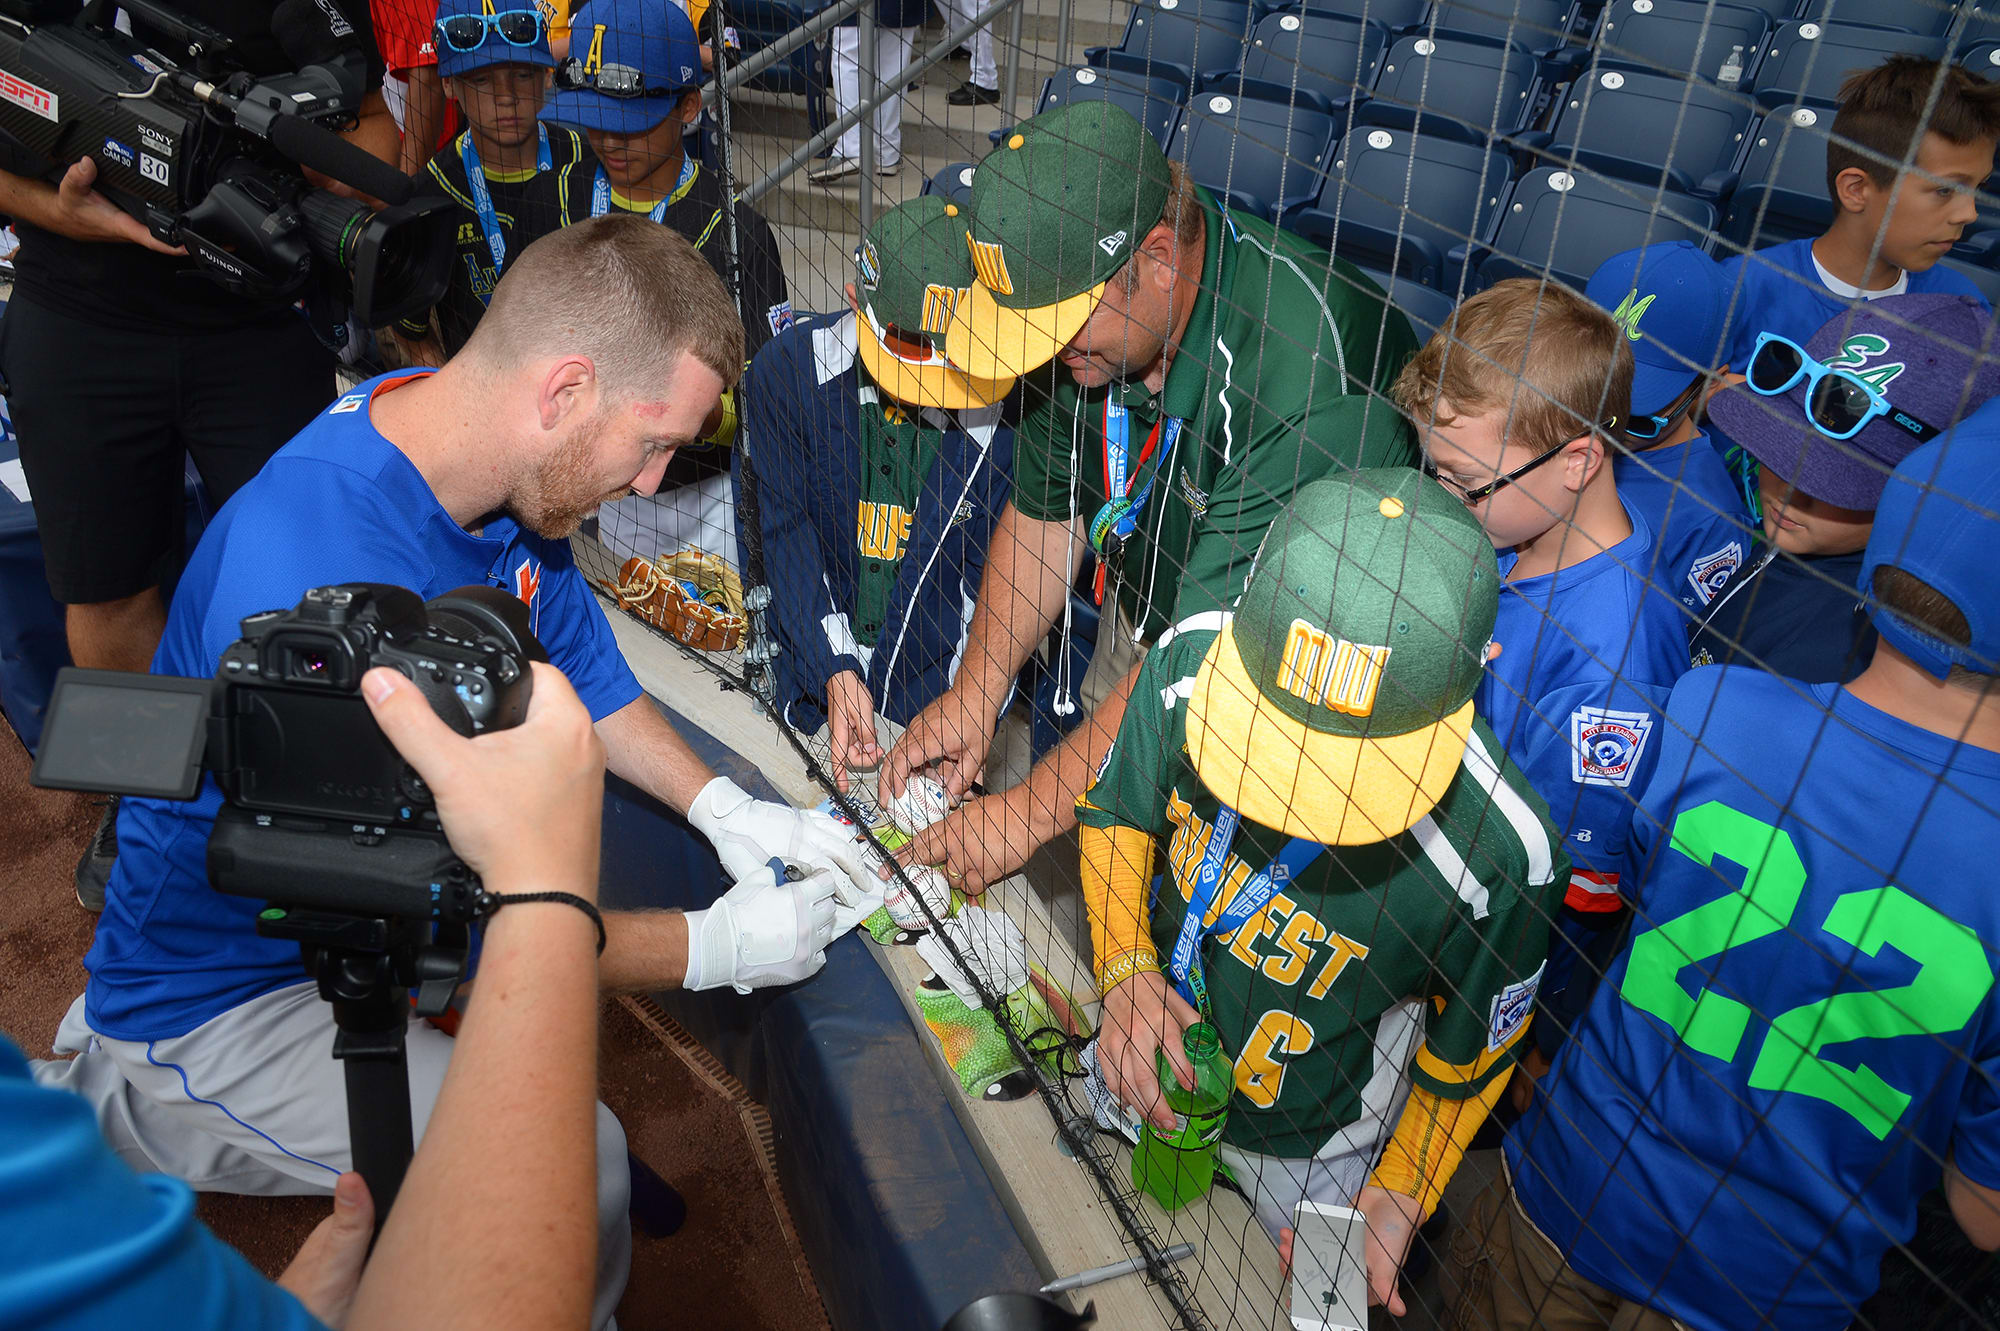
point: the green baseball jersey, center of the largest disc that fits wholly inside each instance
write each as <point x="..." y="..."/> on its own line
<point x="1279" y="379"/>
<point x="897" y="453"/>
<point x="1454" y="911"/>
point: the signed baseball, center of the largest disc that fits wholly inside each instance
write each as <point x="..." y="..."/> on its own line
<point x="901" y="902"/>
<point x="922" y="803"/>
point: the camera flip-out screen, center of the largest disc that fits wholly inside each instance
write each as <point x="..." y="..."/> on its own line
<point x="114" y="732"/>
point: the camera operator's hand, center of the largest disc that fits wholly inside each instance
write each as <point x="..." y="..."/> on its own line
<point x="524" y="806"/>
<point x="76" y="210"/>
<point x="746" y="832"/>
<point x="327" y="1269"/>
<point x="763" y="931"/>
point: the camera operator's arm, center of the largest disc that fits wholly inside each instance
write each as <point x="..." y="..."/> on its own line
<point x="423" y="117"/>
<point x="74" y="209"/>
<point x="523" y="807"/>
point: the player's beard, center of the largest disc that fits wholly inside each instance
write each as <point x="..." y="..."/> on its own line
<point x="563" y="493"/>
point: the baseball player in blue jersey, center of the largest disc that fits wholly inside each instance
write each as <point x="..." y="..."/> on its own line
<point x="881" y="470"/>
<point x="1802" y="1035"/>
<point x="1529" y="375"/>
<point x="1672" y="302"/>
<point x="204" y="1046"/>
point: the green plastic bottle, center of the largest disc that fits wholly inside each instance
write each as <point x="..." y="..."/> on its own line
<point x="1174" y="1168"/>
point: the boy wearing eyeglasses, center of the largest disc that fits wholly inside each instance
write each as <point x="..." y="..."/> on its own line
<point x="882" y="469"/>
<point x="1671" y="301"/>
<point x="494" y="58"/>
<point x="631" y="83"/>
<point x="1890" y="224"/>
<point x="1518" y="400"/>
<point x="1825" y="423"/>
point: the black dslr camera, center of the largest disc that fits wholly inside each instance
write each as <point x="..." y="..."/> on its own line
<point x="207" y="155"/>
<point x="319" y="811"/>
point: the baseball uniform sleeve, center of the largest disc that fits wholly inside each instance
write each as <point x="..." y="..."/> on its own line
<point x="1044" y="470"/>
<point x="403" y="31"/>
<point x="578" y="636"/>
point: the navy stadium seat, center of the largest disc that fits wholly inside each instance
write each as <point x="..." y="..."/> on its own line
<point x="1153" y="102"/>
<point x="1262" y="157"/>
<point x="1540" y="26"/>
<point x="1390" y="14"/>
<point x="1564" y="224"/>
<point x="1986" y="279"/>
<point x="954" y="182"/>
<point x="1402" y="202"/>
<point x="759" y="23"/>
<point x="1650" y="128"/>
<point x="1807" y="61"/>
<point x="1179" y="39"/>
<point x="1454" y="88"/>
<point x="1313" y="59"/>
<point x="1982" y="58"/>
<point x="1781" y="186"/>
<point x="1681" y="37"/>
<point x="1927" y="18"/>
<point x="1426" y="309"/>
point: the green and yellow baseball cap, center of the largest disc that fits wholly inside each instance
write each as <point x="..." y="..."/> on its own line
<point x="1057" y="208"/>
<point x="1337" y="702"/>
<point x="911" y="271"/>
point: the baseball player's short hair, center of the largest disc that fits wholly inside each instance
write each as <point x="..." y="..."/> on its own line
<point x="1553" y="361"/>
<point x="632" y="295"/>
<point x="1885" y="112"/>
<point x="1913" y="599"/>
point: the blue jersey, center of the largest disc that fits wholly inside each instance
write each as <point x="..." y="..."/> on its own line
<point x="1589" y="655"/>
<point x="1803" y="1025"/>
<point x="1700" y="529"/>
<point x="1782" y="293"/>
<point x="339" y="503"/>
<point x="91" y="1244"/>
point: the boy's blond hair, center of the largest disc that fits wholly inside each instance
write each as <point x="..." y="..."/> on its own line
<point x="1553" y="361"/>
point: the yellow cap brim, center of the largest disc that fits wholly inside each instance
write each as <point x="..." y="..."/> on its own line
<point x="1279" y="773"/>
<point x="989" y="341"/>
<point x="924" y="385"/>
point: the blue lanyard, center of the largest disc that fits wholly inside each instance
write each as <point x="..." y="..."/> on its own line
<point x="1119" y="516"/>
<point x="482" y="197"/>
<point x="600" y="192"/>
<point x="1185" y="963"/>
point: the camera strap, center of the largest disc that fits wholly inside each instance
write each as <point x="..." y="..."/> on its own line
<point x="600" y="191"/>
<point x="482" y="197"/>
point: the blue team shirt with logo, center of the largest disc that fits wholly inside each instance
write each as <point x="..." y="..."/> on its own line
<point x="339" y="503"/>
<point x="1589" y="655"/>
<point x="1782" y="293"/>
<point x="1701" y="533"/>
<point x="1762" y="1089"/>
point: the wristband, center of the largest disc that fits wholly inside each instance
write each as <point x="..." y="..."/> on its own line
<point x="560" y="898"/>
<point x="1123" y="968"/>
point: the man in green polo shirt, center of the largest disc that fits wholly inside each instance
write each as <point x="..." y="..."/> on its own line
<point x="1355" y="883"/>
<point x="1206" y="366"/>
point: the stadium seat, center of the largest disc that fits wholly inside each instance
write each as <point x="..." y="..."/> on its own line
<point x="1807" y="61"/>
<point x="1403" y="202"/>
<point x="759" y="23"/>
<point x="1391" y="14"/>
<point x="1563" y="224"/>
<point x="1982" y="58"/>
<point x="1153" y="102"/>
<point x="1781" y="181"/>
<point x="1650" y="128"/>
<point x="1454" y="88"/>
<point x="1262" y="157"/>
<point x="1682" y="36"/>
<point x="954" y="182"/>
<point x="1986" y="279"/>
<point x="1179" y="39"/>
<point x="1540" y="26"/>
<point x="1314" y="59"/>
<point x="1926" y="18"/>
<point x="1425" y="308"/>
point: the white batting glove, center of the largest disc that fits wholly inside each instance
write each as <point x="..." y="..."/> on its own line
<point x="766" y="930"/>
<point x="747" y="832"/>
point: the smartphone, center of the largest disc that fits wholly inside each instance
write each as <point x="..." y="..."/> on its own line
<point x="1329" y="1268"/>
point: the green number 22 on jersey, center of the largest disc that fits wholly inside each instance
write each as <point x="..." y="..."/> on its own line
<point x="1953" y="973"/>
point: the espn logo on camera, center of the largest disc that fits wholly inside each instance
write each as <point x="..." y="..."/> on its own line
<point x="27" y="96"/>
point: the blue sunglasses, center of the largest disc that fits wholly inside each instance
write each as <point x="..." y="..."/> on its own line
<point x="1838" y="404"/>
<point x="468" y="32"/>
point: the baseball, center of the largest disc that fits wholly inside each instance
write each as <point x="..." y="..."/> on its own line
<point x="922" y="803"/>
<point x="901" y="902"/>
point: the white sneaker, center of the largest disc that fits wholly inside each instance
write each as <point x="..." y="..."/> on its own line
<point x="889" y="170"/>
<point x="832" y="169"/>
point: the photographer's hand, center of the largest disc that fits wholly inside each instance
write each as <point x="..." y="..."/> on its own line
<point x="327" y="1269"/>
<point x="75" y="209"/>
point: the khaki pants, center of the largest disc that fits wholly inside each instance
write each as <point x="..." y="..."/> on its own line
<point x="1511" y="1278"/>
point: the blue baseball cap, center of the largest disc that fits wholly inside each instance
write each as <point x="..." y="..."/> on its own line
<point x="1939" y="520"/>
<point x="493" y="47"/>
<point x="644" y="49"/>
<point x="1673" y="302"/>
